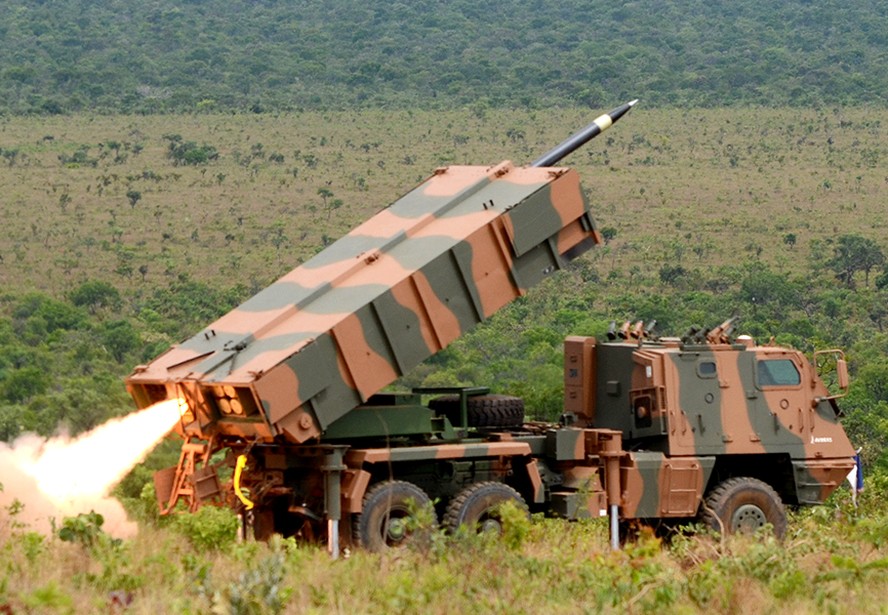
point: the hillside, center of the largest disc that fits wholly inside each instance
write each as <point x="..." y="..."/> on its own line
<point x="118" y="56"/>
<point x="125" y="234"/>
<point x="121" y="200"/>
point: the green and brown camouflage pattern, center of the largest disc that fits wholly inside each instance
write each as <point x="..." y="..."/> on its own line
<point x="694" y="414"/>
<point x="321" y="340"/>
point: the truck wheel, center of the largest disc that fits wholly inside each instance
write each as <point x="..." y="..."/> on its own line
<point x="743" y="505"/>
<point x="477" y="507"/>
<point x="482" y="410"/>
<point x="389" y="516"/>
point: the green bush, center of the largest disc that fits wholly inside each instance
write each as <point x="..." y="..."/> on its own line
<point x="210" y="528"/>
<point x="84" y="529"/>
<point x="189" y="152"/>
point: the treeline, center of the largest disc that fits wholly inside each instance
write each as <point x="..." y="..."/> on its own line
<point x="174" y="56"/>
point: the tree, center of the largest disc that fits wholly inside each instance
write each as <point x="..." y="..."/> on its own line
<point x="189" y="152"/>
<point x="119" y="337"/>
<point x="133" y="196"/>
<point x="94" y="295"/>
<point x="325" y="193"/>
<point x="854" y="253"/>
<point x="10" y="422"/>
<point x="608" y="233"/>
<point x="20" y="385"/>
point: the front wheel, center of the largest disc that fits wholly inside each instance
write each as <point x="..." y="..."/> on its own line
<point x="389" y="516"/>
<point x="744" y="505"/>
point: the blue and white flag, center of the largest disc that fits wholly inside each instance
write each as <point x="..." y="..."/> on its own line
<point x="855" y="478"/>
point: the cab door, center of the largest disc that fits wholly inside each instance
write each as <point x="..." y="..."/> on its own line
<point x="702" y="388"/>
<point x="783" y="412"/>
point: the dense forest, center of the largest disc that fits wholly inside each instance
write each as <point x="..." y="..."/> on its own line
<point x="262" y="55"/>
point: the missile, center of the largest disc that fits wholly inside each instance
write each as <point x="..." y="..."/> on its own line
<point x="599" y="125"/>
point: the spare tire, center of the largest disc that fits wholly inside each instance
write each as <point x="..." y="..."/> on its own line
<point x="482" y="410"/>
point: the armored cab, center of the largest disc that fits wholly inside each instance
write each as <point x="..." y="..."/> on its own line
<point x="697" y="412"/>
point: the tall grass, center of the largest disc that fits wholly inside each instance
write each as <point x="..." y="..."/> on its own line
<point x="833" y="560"/>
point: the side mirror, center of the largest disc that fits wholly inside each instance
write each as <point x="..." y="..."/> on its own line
<point x="844" y="380"/>
<point x="832" y="367"/>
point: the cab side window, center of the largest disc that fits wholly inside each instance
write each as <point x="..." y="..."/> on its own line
<point x="707" y="369"/>
<point x="778" y="372"/>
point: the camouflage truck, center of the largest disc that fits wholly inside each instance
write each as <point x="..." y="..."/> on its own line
<point x="291" y="384"/>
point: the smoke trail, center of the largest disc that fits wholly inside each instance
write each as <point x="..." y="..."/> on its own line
<point x="65" y="476"/>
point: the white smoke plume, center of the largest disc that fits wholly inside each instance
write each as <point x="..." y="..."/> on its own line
<point x="61" y="476"/>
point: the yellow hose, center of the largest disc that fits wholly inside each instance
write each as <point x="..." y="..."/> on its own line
<point x="238" y="468"/>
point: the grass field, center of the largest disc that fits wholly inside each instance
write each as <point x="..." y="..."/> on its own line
<point x="832" y="561"/>
<point x="98" y="197"/>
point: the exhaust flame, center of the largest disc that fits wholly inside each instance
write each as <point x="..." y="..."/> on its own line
<point x="65" y="476"/>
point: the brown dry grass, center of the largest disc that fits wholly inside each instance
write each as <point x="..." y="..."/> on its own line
<point x="698" y="187"/>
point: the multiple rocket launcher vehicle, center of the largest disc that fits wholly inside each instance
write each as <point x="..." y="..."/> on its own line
<point x="705" y="427"/>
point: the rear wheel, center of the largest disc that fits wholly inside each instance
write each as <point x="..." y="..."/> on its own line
<point x="389" y="516"/>
<point x="478" y="507"/>
<point x="744" y="505"/>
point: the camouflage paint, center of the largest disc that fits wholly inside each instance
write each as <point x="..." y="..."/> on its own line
<point x="816" y="479"/>
<point x="640" y="481"/>
<point x="400" y="287"/>
<point x="318" y="343"/>
<point x="356" y="457"/>
<point x="657" y="486"/>
<point x="732" y="412"/>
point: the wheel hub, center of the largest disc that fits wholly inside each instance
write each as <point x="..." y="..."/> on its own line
<point x="747" y="519"/>
<point x="395" y="530"/>
<point x="490" y="525"/>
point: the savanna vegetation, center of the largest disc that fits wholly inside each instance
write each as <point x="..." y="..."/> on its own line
<point x="125" y="234"/>
<point x="122" y="236"/>
<point x="160" y="162"/>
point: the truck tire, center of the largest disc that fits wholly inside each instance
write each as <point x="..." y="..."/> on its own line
<point x="743" y="505"/>
<point x="477" y="507"/>
<point x="388" y="518"/>
<point x="482" y="410"/>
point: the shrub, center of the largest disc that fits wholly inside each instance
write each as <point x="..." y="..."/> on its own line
<point x="210" y="528"/>
<point x="84" y="529"/>
<point x="189" y="152"/>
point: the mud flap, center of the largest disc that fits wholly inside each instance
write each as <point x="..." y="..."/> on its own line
<point x="163" y="485"/>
